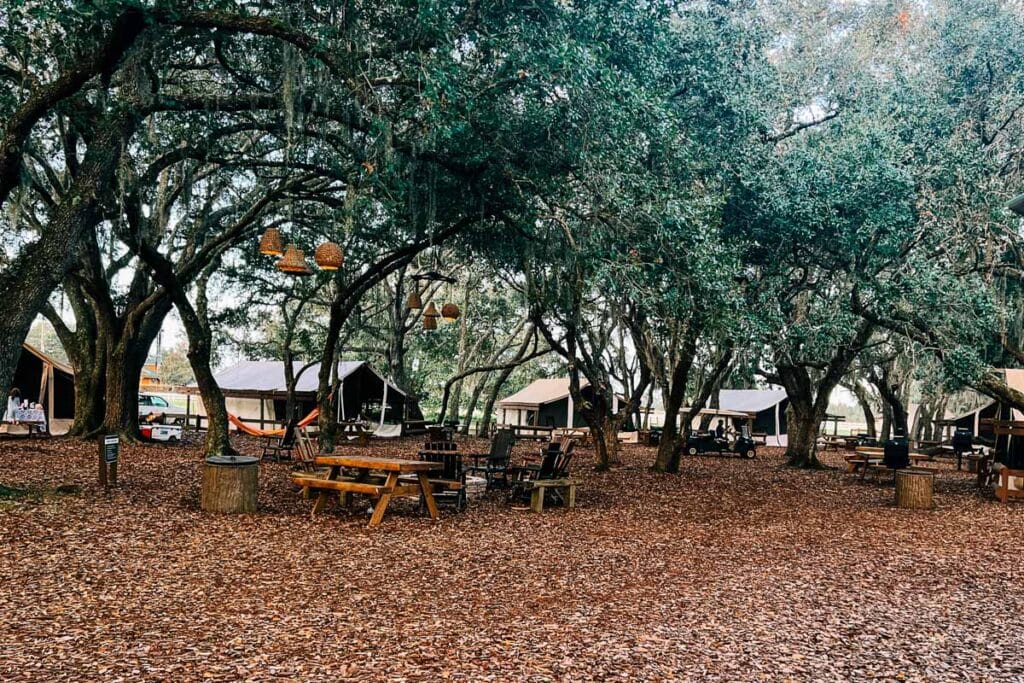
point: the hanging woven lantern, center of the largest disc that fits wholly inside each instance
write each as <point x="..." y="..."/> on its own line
<point x="450" y="312"/>
<point x="270" y="242"/>
<point x="329" y="256"/>
<point x="293" y="262"/>
<point x="431" y="312"/>
<point x="414" y="303"/>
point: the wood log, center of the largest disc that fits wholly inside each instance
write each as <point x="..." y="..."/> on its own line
<point x="914" y="489"/>
<point x="229" y="485"/>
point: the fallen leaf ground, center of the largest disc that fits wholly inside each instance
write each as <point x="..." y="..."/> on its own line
<point x="731" y="571"/>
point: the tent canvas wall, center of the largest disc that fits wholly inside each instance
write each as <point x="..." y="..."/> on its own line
<point x="256" y="391"/>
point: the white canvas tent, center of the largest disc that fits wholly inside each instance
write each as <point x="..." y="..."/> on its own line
<point x="767" y="406"/>
<point x="545" y="403"/>
<point x="542" y="398"/>
<point x="256" y="392"/>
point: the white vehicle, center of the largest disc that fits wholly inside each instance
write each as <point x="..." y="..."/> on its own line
<point x="154" y="425"/>
<point x="151" y="403"/>
<point x="160" y="432"/>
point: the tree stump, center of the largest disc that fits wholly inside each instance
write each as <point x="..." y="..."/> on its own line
<point x="229" y="484"/>
<point x="914" y="489"/>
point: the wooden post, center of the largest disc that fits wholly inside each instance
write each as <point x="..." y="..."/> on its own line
<point x="914" y="489"/>
<point x="230" y="484"/>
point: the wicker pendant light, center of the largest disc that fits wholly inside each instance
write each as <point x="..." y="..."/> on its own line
<point x="429" y="322"/>
<point x="329" y="256"/>
<point x="450" y="312"/>
<point x="431" y="311"/>
<point x="293" y="262"/>
<point x="270" y="242"/>
<point x="414" y="303"/>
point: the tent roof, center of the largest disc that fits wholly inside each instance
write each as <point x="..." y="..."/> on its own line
<point x="721" y="412"/>
<point x="267" y="376"/>
<point x="57" y="365"/>
<point x="539" y="392"/>
<point x="750" y="400"/>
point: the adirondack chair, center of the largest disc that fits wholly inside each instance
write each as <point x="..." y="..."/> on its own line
<point x="275" y="447"/>
<point x="495" y="465"/>
<point x="449" y="483"/>
<point x="548" y="481"/>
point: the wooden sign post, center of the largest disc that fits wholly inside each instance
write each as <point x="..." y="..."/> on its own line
<point x="109" y="448"/>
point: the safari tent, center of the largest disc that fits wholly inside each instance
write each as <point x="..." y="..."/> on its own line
<point x="544" y="403"/>
<point x="256" y="392"/>
<point x="43" y="379"/>
<point x="768" y="406"/>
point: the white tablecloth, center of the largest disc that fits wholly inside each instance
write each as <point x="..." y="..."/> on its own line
<point x="30" y="415"/>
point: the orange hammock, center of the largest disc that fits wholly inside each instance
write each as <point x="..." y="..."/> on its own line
<point x="252" y="431"/>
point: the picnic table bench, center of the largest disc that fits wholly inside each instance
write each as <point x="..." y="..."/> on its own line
<point x="365" y="482"/>
<point x="833" y="441"/>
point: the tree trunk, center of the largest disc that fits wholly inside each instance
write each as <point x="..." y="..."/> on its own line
<point x="27" y="282"/>
<point x="802" y="437"/>
<point x="886" y="422"/>
<point x="864" y="399"/>
<point x="127" y="345"/>
<point x="474" y="398"/>
<point x="667" y="459"/>
<point x="605" y="433"/>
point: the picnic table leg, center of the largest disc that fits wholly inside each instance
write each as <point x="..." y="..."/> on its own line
<point x="570" y="498"/>
<point x="385" y="498"/>
<point x="428" y="494"/>
<point x="537" y="499"/>
<point x="319" y="505"/>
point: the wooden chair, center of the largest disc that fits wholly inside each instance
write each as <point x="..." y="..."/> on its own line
<point x="449" y="483"/>
<point x="305" y="451"/>
<point x="495" y="466"/>
<point x="547" y="481"/>
<point x="276" y="447"/>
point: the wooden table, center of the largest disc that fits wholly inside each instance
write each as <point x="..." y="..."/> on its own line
<point x="366" y="483"/>
<point x="355" y="428"/>
<point x="34" y="426"/>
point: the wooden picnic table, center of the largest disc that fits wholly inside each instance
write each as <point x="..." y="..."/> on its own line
<point x="355" y="429"/>
<point x="366" y="483"/>
<point x="867" y="458"/>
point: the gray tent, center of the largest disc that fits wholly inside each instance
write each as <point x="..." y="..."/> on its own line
<point x="768" y="406"/>
<point x="256" y="391"/>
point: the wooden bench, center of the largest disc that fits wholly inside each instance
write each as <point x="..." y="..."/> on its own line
<point x="540" y="486"/>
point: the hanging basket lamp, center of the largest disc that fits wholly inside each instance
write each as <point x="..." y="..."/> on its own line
<point x="414" y="303"/>
<point x="429" y="322"/>
<point x="431" y="311"/>
<point x="450" y="312"/>
<point x="329" y="256"/>
<point x="293" y="262"/>
<point x="270" y="242"/>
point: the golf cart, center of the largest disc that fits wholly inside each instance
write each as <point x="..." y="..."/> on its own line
<point x="706" y="442"/>
<point x="160" y="427"/>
